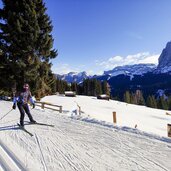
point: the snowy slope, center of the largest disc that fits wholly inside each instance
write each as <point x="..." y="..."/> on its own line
<point x="74" y="144"/>
<point x="147" y="119"/>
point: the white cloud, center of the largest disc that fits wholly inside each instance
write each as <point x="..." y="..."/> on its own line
<point x="93" y="72"/>
<point x="151" y="59"/>
<point x="90" y="72"/>
<point x="138" y="58"/>
<point x="63" y="69"/>
<point x="66" y="68"/>
<point x="112" y="62"/>
<point x="116" y="59"/>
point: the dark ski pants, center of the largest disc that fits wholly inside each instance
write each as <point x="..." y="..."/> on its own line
<point x="23" y="108"/>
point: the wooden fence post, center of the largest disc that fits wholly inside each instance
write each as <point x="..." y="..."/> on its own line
<point x="79" y="110"/>
<point x="43" y="105"/>
<point x="169" y="130"/>
<point x="60" y="109"/>
<point x="114" y="117"/>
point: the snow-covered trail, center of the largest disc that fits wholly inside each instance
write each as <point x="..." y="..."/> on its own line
<point x="74" y="145"/>
<point x="8" y="161"/>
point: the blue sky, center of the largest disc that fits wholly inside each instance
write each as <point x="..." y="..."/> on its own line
<point x="97" y="35"/>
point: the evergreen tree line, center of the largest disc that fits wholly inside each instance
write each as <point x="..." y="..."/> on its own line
<point x="162" y="102"/>
<point x="89" y="87"/>
<point x="94" y="87"/>
<point x="26" y="47"/>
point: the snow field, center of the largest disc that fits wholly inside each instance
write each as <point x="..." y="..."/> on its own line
<point x="79" y="143"/>
<point x="147" y="119"/>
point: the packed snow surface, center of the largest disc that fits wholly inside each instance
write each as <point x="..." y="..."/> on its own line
<point x="88" y="141"/>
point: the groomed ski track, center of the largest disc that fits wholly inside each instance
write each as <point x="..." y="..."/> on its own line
<point x="9" y="161"/>
<point x="74" y="145"/>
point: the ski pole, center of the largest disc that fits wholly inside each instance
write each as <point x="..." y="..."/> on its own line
<point x="6" y="114"/>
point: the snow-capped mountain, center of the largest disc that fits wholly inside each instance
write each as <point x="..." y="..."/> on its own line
<point x="166" y="69"/>
<point x="130" y="70"/>
<point x="137" y="69"/>
<point x="74" y="77"/>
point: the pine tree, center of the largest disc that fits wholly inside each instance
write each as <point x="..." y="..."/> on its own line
<point x="86" y="87"/>
<point x="61" y="87"/>
<point x="108" y="89"/>
<point x="26" y="43"/>
<point x="67" y="86"/>
<point x="169" y="103"/>
<point x="57" y="85"/>
<point x="138" y="97"/>
<point x="141" y="100"/>
<point x="148" y="101"/>
<point x="91" y="85"/>
<point x="74" y="87"/>
<point x="52" y="82"/>
<point x="162" y="103"/>
<point x="105" y="88"/>
<point x="127" y="97"/>
<point x="79" y="89"/>
<point x="98" y="88"/>
<point x="154" y="102"/>
<point x="151" y="102"/>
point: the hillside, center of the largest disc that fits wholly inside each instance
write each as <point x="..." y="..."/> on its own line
<point x="81" y="143"/>
<point x="147" y="119"/>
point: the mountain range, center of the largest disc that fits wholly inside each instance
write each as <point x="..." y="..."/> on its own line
<point x="129" y="70"/>
<point x="148" y="77"/>
<point x="164" y="66"/>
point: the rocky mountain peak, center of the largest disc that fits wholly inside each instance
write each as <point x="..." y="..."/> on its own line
<point x="165" y="57"/>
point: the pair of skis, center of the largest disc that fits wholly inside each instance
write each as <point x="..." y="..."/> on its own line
<point x="37" y="123"/>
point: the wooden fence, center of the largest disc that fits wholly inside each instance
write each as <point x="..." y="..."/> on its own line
<point x="48" y="106"/>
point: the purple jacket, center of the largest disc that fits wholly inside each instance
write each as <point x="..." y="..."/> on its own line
<point x="23" y="97"/>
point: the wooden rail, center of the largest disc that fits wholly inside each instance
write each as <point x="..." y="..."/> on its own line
<point x="44" y="105"/>
<point x="168" y="113"/>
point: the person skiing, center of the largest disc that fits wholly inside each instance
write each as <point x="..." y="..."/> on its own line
<point x="21" y="100"/>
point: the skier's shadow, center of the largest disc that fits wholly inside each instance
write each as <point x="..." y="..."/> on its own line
<point x="12" y="127"/>
<point x="9" y="127"/>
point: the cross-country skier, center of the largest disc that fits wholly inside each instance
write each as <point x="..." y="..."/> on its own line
<point x="21" y="99"/>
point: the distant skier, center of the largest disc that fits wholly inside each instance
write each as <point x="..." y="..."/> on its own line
<point x="21" y="99"/>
